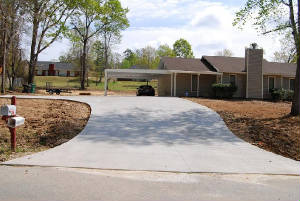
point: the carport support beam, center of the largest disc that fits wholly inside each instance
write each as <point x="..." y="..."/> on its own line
<point x="172" y="78"/>
<point x="175" y="80"/>
<point x="105" y="84"/>
<point x="198" y="83"/>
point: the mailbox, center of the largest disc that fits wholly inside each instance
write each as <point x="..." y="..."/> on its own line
<point x="15" y="122"/>
<point x="8" y="110"/>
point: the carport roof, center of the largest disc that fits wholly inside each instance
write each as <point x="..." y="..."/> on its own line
<point x="148" y="73"/>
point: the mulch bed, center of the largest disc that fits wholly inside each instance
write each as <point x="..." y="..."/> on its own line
<point x="48" y="123"/>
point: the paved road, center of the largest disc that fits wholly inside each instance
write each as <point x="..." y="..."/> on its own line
<point x="44" y="184"/>
<point x="158" y="134"/>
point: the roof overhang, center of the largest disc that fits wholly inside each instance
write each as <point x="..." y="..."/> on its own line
<point x="277" y="74"/>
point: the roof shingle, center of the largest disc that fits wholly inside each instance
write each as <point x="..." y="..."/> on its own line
<point x="182" y="64"/>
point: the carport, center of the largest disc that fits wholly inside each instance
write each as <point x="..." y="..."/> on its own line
<point x="170" y="80"/>
<point x="133" y="74"/>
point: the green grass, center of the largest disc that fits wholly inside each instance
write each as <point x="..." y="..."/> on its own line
<point x="61" y="82"/>
<point x="74" y="82"/>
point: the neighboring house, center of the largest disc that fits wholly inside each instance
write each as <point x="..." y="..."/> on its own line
<point x="48" y="68"/>
<point x="253" y="76"/>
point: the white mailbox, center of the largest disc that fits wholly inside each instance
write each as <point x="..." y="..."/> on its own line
<point x="15" y="122"/>
<point x="8" y="110"/>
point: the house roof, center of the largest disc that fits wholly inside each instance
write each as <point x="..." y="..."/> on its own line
<point x="44" y="65"/>
<point x="237" y="65"/>
<point x="226" y="64"/>
<point x="182" y="64"/>
<point x="279" y="68"/>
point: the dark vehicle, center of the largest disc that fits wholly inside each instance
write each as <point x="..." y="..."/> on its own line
<point x="145" y="90"/>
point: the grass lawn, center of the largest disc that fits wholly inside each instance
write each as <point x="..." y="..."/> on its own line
<point x="74" y="82"/>
<point x="267" y="125"/>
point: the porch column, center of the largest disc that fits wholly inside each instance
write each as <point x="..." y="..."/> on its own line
<point x="191" y="83"/>
<point x="105" y="84"/>
<point x="175" y="80"/>
<point x="172" y="84"/>
<point x="198" y="83"/>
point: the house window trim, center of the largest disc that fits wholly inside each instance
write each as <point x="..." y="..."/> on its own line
<point x="290" y="82"/>
<point x="235" y="79"/>
<point x="269" y="82"/>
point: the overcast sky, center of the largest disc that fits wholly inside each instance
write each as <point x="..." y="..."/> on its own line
<point x="207" y="25"/>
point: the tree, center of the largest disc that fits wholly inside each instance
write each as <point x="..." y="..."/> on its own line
<point x="165" y="51"/>
<point x="130" y="58"/>
<point x="48" y="19"/>
<point x="225" y="53"/>
<point x="182" y="48"/>
<point x="270" y="16"/>
<point x="114" y="21"/>
<point x="287" y="52"/>
<point x="148" y="57"/>
<point x="10" y="26"/>
<point x="92" y="17"/>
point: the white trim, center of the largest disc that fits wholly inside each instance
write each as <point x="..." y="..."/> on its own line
<point x="175" y="83"/>
<point x="172" y="79"/>
<point x="191" y="82"/>
<point x="198" y="85"/>
<point x="105" y="84"/>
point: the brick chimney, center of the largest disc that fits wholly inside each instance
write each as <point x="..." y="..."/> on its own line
<point x="253" y="65"/>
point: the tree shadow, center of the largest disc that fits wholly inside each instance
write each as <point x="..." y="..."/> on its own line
<point x="146" y="127"/>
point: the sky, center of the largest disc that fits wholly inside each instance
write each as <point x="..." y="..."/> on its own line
<point x="206" y="24"/>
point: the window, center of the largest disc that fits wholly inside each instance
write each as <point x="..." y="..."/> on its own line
<point x="271" y="83"/>
<point x="292" y="84"/>
<point x="232" y="80"/>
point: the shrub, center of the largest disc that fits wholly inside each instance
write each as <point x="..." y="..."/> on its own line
<point x="224" y="90"/>
<point x="282" y="94"/>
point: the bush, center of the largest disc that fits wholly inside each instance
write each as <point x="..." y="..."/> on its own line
<point x="224" y="90"/>
<point x="282" y="94"/>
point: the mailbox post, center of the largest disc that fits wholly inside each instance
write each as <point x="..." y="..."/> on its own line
<point x="9" y="114"/>
<point x="13" y="130"/>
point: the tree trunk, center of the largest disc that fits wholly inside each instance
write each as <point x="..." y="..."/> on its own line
<point x="296" y="106"/>
<point x="83" y="65"/>
<point x="3" y="81"/>
<point x="33" y="55"/>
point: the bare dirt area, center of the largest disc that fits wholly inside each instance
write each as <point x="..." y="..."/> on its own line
<point x="267" y="125"/>
<point x="48" y="123"/>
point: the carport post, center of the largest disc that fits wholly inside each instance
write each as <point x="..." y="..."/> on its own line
<point x="175" y="80"/>
<point x="172" y="84"/>
<point x="105" y="84"/>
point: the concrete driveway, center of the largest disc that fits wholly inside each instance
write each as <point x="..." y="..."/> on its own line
<point x="158" y="134"/>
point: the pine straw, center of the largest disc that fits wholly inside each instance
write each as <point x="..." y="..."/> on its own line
<point x="267" y="125"/>
<point x="48" y="123"/>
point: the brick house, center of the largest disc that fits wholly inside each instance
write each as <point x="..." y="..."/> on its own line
<point x="48" y="68"/>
